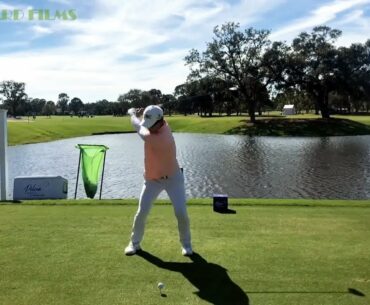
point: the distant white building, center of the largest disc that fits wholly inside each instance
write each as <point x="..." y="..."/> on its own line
<point x="288" y="110"/>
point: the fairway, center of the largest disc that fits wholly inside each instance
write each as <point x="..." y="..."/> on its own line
<point x="263" y="254"/>
<point x="45" y="129"/>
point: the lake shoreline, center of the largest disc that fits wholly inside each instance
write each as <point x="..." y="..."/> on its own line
<point x="45" y="129"/>
<point x="233" y="202"/>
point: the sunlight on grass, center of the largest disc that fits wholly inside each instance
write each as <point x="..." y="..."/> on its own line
<point x="262" y="255"/>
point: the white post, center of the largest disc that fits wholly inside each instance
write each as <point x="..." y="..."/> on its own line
<point x="3" y="156"/>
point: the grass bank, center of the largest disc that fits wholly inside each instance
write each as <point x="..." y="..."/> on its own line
<point x="200" y="202"/>
<point x="270" y="252"/>
<point x="48" y="129"/>
<point x="45" y="129"/>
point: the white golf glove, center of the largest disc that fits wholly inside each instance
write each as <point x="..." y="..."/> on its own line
<point x="131" y="111"/>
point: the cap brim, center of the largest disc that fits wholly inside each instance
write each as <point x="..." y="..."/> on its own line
<point x="146" y="123"/>
<point x="149" y="123"/>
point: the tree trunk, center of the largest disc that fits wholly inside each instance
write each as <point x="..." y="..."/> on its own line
<point x="210" y="112"/>
<point x="322" y="102"/>
<point x="251" y="111"/>
<point x="325" y="114"/>
<point x="317" y="108"/>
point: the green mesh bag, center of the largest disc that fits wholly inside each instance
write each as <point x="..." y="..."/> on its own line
<point x="92" y="159"/>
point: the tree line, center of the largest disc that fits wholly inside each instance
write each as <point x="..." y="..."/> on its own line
<point x="17" y="102"/>
<point x="240" y="71"/>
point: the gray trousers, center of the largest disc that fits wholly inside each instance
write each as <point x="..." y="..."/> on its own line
<point x="175" y="188"/>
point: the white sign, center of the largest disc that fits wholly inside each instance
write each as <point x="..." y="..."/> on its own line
<point x="43" y="187"/>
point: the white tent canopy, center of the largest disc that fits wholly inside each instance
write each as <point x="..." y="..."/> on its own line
<point x="288" y="110"/>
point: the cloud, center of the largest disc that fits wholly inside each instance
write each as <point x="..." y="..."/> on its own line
<point x="67" y="2"/>
<point x="39" y="30"/>
<point x="13" y="44"/>
<point x="322" y="15"/>
<point x="6" y="6"/>
<point x="132" y="44"/>
<point x="356" y="28"/>
<point x="11" y="7"/>
<point x="91" y="63"/>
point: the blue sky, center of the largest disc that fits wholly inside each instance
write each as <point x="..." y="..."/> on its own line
<point x="117" y="45"/>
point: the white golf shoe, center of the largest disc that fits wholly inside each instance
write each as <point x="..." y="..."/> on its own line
<point x="131" y="249"/>
<point x="187" y="251"/>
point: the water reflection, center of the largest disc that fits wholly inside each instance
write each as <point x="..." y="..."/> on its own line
<point x="344" y="163"/>
<point x="241" y="166"/>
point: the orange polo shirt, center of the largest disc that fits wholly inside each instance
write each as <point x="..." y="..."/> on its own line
<point x="160" y="154"/>
<point x="159" y="149"/>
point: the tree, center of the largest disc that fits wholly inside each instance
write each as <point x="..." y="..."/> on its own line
<point x="353" y="91"/>
<point x="133" y="97"/>
<point x="184" y="105"/>
<point x="236" y="57"/>
<point x="49" y="108"/>
<point x="146" y="99"/>
<point x="169" y="103"/>
<point x="76" y="105"/>
<point x="36" y="105"/>
<point x="62" y="103"/>
<point x="181" y="93"/>
<point x="298" y="98"/>
<point x="14" y="96"/>
<point x="103" y="107"/>
<point x="137" y="98"/>
<point x="156" y="96"/>
<point x="313" y="64"/>
<point x="120" y="108"/>
<point x="181" y="90"/>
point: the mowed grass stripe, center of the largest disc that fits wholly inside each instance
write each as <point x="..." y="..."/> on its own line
<point x="275" y="255"/>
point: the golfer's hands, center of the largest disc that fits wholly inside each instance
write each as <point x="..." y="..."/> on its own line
<point x="131" y="111"/>
<point x="139" y="112"/>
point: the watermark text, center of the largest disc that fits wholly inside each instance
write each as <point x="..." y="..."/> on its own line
<point x="38" y="15"/>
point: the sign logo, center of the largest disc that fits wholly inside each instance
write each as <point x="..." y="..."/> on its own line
<point x="38" y="15"/>
<point x="30" y="188"/>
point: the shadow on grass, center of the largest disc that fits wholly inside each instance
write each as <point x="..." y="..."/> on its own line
<point x="227" y="211"/>
<point x="10" y="202"/>
<point x="349" y="291"/>
<point x="214" y="284"/>
<point x="301" y="127"/>
<point x="111" y="132"/>
<point x="240" y="115"/>
<point x="354" y="114"/>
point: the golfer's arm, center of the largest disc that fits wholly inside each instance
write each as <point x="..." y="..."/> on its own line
<point x="136" y="124"/>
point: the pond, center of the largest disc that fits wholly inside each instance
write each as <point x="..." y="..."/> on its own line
<point x="240" y="166"/>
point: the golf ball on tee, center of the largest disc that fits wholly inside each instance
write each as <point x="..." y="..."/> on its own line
<point x="160" y="285"/>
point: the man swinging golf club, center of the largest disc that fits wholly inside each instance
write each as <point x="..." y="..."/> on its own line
<point x="162" y="172"/>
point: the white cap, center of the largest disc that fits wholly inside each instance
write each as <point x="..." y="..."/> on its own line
<point x="152" y="114"/>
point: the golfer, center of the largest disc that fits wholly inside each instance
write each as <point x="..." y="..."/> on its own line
<point x="162" y="172"/>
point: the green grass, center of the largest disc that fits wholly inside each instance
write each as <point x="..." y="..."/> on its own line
<point x="45" y="129"/>
<point x="270" y="252"/>
<point x="48" y="129"/>
<point x="302" y="127"/>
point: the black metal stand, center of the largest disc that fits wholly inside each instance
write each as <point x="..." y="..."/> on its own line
<point x="78" y="173"/>
<point x="102" y="176"/>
